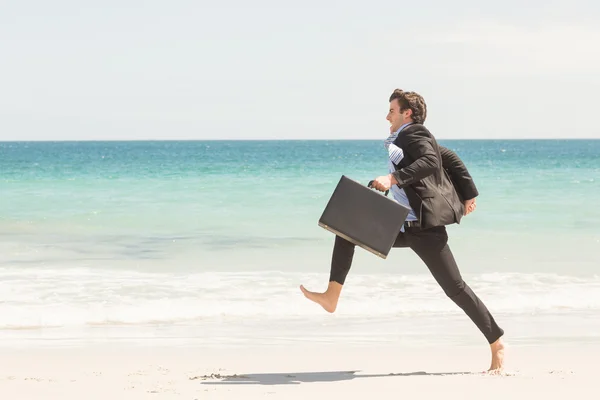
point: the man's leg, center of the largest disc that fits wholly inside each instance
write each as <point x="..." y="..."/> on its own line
<point x="432" y="247"/>
<point x="341" y="261"/>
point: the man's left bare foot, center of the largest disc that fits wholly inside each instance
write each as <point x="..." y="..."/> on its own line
<point x="328" y="300"/>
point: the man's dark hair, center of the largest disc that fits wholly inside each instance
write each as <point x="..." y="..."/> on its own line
<point x="412" y="101"/>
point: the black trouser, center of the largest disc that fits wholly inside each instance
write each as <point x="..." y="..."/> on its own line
<point x="431" y="245"/>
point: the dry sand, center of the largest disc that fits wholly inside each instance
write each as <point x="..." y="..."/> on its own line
<point x="295" y="371"/>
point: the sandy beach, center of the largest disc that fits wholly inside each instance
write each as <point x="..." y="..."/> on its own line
<point x="294" y="371"/>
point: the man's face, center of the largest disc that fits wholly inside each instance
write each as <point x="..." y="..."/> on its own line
<point x="395" y="117"/>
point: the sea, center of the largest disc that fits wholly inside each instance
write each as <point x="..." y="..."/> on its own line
<point x="207" y="242"/>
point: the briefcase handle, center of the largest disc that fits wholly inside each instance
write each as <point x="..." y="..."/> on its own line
<point x="371" y="183"/>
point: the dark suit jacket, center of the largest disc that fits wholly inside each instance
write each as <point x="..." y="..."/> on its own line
<point x="434" y="178"/>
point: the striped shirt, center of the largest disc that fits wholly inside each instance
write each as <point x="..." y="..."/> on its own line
<point x="395" y="155"/>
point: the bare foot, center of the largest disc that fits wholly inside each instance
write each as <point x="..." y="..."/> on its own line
<point x="328" y="300"/>
<point x="497" y="357"/>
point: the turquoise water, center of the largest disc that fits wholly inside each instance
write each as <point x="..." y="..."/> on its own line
<point x="137" y="233"/>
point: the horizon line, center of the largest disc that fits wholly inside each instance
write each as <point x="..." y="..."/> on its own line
<point x="277" y="140"/>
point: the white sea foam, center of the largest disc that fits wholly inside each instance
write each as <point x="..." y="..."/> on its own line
<point x="80" y="297"/>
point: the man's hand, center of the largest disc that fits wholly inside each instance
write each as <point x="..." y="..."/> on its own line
<point x="384" y="182"/>
<point x="470" y="206"/>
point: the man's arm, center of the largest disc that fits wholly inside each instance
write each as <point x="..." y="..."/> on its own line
<point x="418" y="144"/>
<point x="462" y="180"/>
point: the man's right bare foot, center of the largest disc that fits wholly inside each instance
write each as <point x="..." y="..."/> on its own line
<point x="328" y="300"/>
<point x="497" y="365"/>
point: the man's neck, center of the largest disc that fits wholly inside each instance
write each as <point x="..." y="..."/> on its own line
<point x="402" y="126"/>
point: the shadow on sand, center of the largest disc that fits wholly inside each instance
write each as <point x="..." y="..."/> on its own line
<point x="305" y="377"/>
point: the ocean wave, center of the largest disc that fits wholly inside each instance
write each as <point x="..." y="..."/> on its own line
<point x="84" y="297"/>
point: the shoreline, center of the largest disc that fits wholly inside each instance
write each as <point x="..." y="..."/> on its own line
<point x="342" y="328"/>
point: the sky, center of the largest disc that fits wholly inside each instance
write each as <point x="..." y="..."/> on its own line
<point x="125" y="70"/>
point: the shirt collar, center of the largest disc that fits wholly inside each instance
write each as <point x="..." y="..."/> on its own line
<point x="402" y="127"/>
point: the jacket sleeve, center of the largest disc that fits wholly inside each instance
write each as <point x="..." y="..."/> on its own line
<point x="462" y="180"/>
<point x="419" y="145"/>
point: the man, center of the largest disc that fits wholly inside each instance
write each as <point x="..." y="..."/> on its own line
<point x="434" y="183"/>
